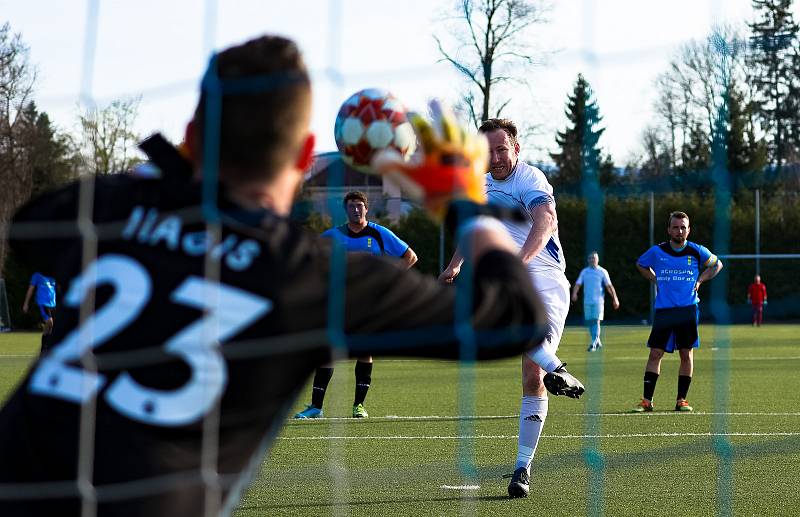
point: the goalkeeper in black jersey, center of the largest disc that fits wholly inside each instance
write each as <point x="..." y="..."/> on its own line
<point x="195" y="311"/>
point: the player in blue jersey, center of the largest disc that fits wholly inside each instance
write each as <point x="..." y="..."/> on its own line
<point x="594" y="280"/>
<point x="675" y="267"/>
<point x="45" y="289"/>
<point x="357" y="235"/>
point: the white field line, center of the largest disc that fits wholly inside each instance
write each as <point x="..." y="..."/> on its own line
<point x="673" y="414"/>
<point x="514" y="436"/>
<point x="643" y="357"/>
<point x="706" y="358"/>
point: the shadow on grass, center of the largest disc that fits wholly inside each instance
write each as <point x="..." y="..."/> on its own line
<point x="408" y="500"/>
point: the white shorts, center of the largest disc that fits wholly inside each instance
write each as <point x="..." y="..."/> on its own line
<point x="553" y="290"/>
<point x="593" y="311"/>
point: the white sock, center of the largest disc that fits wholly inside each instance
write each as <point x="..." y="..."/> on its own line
<point x="531" y="421"/>
<point x="547" y="360"/>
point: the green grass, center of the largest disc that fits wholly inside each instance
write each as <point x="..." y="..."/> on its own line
<point x="17" y="350"/>
<point x="397" y="461"/>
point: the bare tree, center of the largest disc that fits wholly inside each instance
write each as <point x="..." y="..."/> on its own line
<point x="17" y="78"/>
<point x="668" y="108"/>
<point x="689" y="92"/>
<point x="492" y="49"/>
<point x="108" y="138"/>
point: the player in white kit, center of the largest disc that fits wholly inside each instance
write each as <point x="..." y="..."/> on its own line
<point x="515" y="184"/>
<point x="594" y="280"/>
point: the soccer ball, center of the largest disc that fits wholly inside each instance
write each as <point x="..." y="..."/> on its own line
<point x="369" y="121"/>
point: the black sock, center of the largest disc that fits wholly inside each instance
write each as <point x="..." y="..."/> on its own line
<point x="321" y="380"/>
<point x="683" y="385"/>
<point x="650" y="379"/>
<point x="363" y="378"/>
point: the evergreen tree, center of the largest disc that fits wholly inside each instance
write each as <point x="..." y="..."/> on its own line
<point x="773" y="54"/>
<point x="579" y="158"/>
<point x="608" y="175"/>
<point x="54" y="156"/>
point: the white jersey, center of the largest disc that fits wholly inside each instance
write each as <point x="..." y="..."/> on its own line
<point x="526" y="188"/>
<point x="594" y="280"/>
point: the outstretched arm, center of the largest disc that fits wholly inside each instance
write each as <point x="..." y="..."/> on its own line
<point x="402" y="313"/>
<point x="545" y="224"/>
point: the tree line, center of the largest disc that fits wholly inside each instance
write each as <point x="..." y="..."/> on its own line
<point x="36" y="154"/>
<point x="740" y="89"/>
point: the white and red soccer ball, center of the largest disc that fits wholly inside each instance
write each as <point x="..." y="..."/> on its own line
<point x="370" y="121"/>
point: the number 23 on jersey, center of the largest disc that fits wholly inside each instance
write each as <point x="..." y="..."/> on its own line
<point x="227" y="311"/>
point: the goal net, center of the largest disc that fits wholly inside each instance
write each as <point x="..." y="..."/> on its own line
<point x="441" y="435"/>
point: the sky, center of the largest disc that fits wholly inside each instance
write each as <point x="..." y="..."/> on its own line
<point x="93" y="52"/>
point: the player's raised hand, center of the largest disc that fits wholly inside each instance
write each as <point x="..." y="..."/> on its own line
<point x="450" y="166"/>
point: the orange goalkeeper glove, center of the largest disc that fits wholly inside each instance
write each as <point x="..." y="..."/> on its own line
<point x="450" y="166"/>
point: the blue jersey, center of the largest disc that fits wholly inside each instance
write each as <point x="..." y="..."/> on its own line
<point x="45" y="290"/>
<point x="676" y="272"/>
<point x="374" y="239"/>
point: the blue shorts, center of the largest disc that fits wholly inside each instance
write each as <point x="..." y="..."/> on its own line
<point x="46" y="312"/>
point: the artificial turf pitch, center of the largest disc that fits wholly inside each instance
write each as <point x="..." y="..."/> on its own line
<point x="737" y="454"/>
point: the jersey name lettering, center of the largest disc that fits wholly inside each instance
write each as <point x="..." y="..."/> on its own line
<point x="145" y="227"/>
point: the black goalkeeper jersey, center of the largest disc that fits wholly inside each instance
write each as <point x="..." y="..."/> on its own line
<point x="187" y="331"/>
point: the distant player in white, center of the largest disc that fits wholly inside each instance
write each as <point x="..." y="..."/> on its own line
<point x="594" y="279"/>
<point x="517" y="185"/>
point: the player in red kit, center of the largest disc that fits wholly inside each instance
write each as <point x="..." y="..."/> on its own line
<point x="757" y="296"/>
